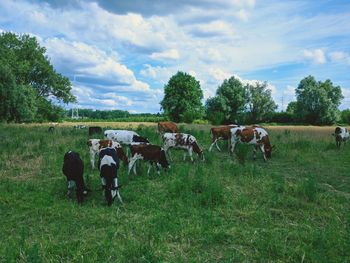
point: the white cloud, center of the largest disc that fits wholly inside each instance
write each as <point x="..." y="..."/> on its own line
<point x="168" y="54"/>
<point x="340" y="57"/>
<point x="316" y="56"/>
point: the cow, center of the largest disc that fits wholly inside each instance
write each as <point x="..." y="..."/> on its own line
<point x="221" y="133"/>
<point x="95" y="145"/>
<point x="95" y="129"/>
<point x="167" y="126"/>
<point x="125" y="137"/>
<point x="108" y="164"/>
<point x="256" y="136"/>
<point x="73" y="169"/>
<point x="341" y="134"/>
<point x="154" y="154"/>
<point x="51" y="129"/>
<point x="181" y="141"/>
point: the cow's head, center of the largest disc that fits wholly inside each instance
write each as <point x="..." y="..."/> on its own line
<point x="137" y="138"/>
<point x="268" y="150"/>
<point x="198" y="150"/>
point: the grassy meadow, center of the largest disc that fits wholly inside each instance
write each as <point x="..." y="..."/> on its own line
<point x="293" y="208"/>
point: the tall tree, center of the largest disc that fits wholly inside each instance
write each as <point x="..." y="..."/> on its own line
<point x="182" y="98"/>
<point x="231" y="99"/>
<point x="260" y="102"/>
<point x="318" y="102"/>
<point x="32" y="77"/>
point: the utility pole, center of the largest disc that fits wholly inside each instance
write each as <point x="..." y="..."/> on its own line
<point x="282" y="103"/>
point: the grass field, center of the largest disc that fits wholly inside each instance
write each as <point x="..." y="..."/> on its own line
<point x="294" y="208"/>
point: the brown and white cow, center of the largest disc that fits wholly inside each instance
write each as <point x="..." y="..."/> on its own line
<point x="95" y="145"/>
<point x="154" y="154"/>
<point x="167" y="126"/>
<point x="256" y="136"/>
<point x="341" y="134"/>
<point x="221" y="133"/>
<point x="183" y="141"/>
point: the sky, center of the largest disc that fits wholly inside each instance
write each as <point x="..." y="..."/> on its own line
<point x="119" y="54"/>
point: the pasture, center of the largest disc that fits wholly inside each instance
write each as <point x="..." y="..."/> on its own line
<point x="293" y="208"/>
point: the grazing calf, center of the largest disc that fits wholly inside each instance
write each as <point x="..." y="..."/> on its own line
<point x="341" y="134"/>
<point x="221" y="133"/>
<point x="95" y="129"/>
<point x="167" y="126"/>
<point x="125" y="137"/>
<point x="95" y="145"/>
<point x="182" y="141"/>
<point x="73" y="169"/>
<point x="152" y="153"/>
<point x="108" y="165"/>
<point x="253" y="136"/>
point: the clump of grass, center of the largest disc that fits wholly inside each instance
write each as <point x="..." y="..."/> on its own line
<point x="308" y="189"/>
<point x="241" y="151"/>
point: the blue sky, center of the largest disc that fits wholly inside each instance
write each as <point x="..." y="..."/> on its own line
<point x="120" y="54"/>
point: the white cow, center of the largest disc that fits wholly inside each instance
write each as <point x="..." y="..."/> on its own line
<point x="183" y="141"/>
<point x="125" y="137"/>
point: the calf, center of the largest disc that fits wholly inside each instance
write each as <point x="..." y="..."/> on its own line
<point x="95" y="145"/>
<point x="167" y="126"/>
<point x="341" y="134"/>
<point x="182" y="141"/>
<point x="73" y="169"/>
<point x="125" y="137"/>
<point x="221" y="133"/>
<point x="254" y="136"/>
<point x="152" y="153"/>
<point x="108" y="165"/>
<point x="95" y="129"/>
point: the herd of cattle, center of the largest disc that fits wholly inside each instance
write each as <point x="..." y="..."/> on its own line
<point x="110" y="151"/>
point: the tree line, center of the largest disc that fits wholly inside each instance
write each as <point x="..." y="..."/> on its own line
<point x="30" y="90"/>
<point x="316" y="102"/>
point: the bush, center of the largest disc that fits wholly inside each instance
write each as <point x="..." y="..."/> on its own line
<point x="216" y="117"/>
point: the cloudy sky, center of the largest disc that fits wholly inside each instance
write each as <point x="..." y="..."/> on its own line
<point x="119" y="54"/>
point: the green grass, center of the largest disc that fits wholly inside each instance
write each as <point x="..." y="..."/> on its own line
<point x="293" y="208"/>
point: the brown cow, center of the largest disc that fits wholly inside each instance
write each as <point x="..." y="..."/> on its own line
<point x="167" y="126"/>
<point x="221" y="133"/>
<point x="95" y="145"/>
<point x="148" y="152"/>
<point x="254" y="136"/>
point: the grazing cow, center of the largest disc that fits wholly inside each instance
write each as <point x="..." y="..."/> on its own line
<point x="182" y="141"/>
<point x="73" y="169"/>
<point x="51" y="129"/>
<point x="341" y="134"/>
<point x="147" y="152"/>
<point x="254" y="136"/>
<point x="167" y="126"/>
<point x="95" y="129"/>
<point x="108" y="165"/>
<point x="95" y="145"/>
<point x="125" y="137"/>
<point x="221" y="133"/>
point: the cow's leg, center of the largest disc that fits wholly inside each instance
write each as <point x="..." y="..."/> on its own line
<point x="190" y="150"/>
<point x="263" y="151"/>
<point x="149" y="167"/>
<point x="116" y="192"/>
<point x="92" y="159"/>
<point x="167" y="152"/>
<point x="217" y="145"/>
<point x="254" y="152"/>
<point x="211" y="145"/>
<point x="233" y="144"/>
<point x="228" y="144"/>
<point x="132" y="164"/>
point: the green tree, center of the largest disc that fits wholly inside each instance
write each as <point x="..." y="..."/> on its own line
<point x="231" y="100"/>
<point x="345" y="116"/>
<point x="260" y="102"/>
<point x="292" y="107"/>
<point x="182" y="98"/>
<point x="31" y="77"/>
<point x="318" y="102"/>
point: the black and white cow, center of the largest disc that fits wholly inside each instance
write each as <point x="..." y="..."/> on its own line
<point x="182" y="141"/>
<point x="341" y="134"/>
<point x="73" y="169"/>
<point x="108" y="165"/>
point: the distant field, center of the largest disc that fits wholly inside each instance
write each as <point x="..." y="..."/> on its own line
<point x="294" y="208"/>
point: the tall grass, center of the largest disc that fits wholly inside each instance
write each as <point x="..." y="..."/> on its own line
<point x="293" y="208"/>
